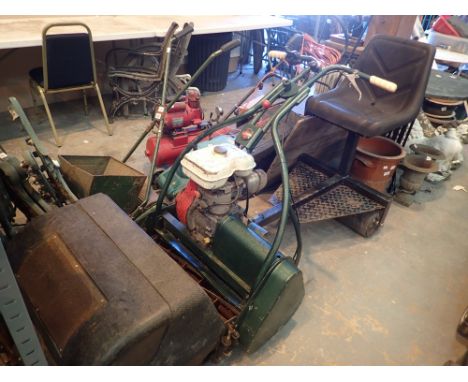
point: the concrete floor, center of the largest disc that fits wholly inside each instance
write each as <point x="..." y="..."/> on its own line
<point x="393" y="299"/>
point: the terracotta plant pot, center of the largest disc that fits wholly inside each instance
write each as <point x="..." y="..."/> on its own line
<point x="376" y="160"/>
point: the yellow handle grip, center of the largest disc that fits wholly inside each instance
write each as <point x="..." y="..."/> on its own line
<point x="277" y="54"/>
<point x="383" y="84"/>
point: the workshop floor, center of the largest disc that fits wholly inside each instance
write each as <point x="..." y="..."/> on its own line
<point x="393" y="299"/>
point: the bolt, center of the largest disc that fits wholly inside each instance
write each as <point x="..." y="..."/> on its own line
<point x="226" y="341"/>
<point x="247" y="134"/>
<point x="220" y="150"/>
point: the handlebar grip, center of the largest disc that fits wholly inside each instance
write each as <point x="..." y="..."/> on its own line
<point x="277" y="54"/>
<point x="185" y="31"/>
<point x="383" y="84"/>
<point x="230" y="45"/>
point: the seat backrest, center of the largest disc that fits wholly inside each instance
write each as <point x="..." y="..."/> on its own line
<point x="68" y="59"/>
<point x="403" y="61"/>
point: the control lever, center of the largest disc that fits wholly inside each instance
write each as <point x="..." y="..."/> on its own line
<point x="294" y="55"/>
<point x="218" y="114"/>
<point x="351" y="77"/>
<point x="381" y="83"/>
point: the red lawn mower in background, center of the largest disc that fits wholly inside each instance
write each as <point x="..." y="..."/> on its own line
<point x="183" y="122"/>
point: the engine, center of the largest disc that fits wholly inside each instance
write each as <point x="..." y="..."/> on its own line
<point x="185" y="113"/>
<point x="220" y="176"/>
<point x="182" y="124"/>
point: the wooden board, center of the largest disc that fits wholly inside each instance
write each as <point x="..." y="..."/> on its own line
<point x="401" y="26"/>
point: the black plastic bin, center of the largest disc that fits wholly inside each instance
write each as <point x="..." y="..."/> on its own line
<point x="214" y="78"/>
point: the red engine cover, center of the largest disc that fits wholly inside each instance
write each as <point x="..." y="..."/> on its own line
<point x="171" y="146"/>
<point x="184" y="200"/>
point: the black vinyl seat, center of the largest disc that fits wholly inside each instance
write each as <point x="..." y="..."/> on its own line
<point x="405" y="62"/>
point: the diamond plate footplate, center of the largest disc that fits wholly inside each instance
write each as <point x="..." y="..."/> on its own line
<point x="339" y="201"/>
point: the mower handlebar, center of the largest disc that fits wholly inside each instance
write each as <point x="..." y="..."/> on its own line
<point x="229" y="46"/>
<point x="291" y="54"/>
<point x="279" y="54"/>
<point x="301" y="57"/>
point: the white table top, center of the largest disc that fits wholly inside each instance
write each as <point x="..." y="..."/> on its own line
<point x="25" y="31"/>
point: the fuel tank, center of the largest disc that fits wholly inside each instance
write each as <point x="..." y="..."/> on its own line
<point x="172" y="145"/>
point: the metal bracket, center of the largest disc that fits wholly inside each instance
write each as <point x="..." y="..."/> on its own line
<point x="351" y="77"/>
<point x="16" y="316"/>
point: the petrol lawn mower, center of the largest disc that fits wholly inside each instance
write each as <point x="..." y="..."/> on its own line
<point x="100" y="290"/>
